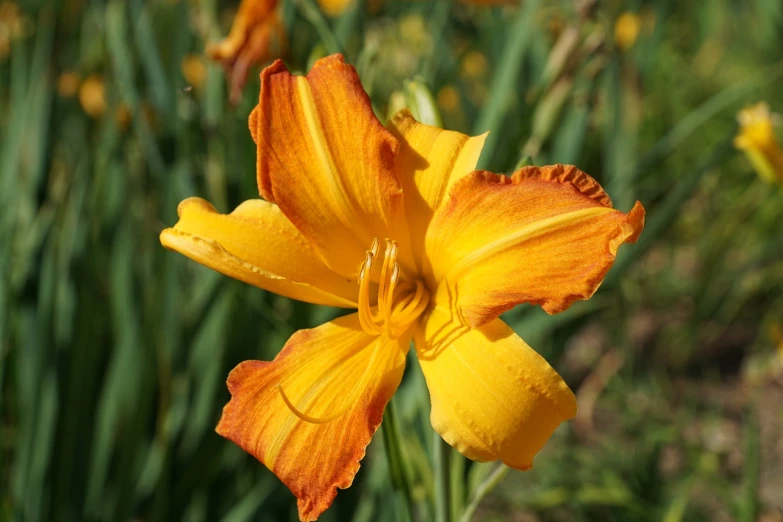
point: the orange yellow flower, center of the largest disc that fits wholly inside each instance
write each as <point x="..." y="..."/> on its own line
<point x="396" y="223"/>
<point x="626" y="29"/>
<point x="194" y="70"/>
<point x="12" y="26"/>
<point x="757" y="139"/>
<point x="334" y="7"/>
<point x="448" y="98"/>
<point x="92" y="96"/>
<point x="68" y="84"/>
<point x="256" y="36"/>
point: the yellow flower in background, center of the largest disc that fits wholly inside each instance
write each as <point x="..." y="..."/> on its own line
<point x="194" y="70"/>
<point x="334" y="7"/>
<point x="626" y="29"/>
<point x="474" y="65"/>
<point x="448" y="98"/>
<point x="12" y="25"/>
<point x="395" y="223"/>
<point x="256" y="36"/>
<point x="68" y="84"/>
<point x="757" y="139"/>
<point x="92" y="96"/>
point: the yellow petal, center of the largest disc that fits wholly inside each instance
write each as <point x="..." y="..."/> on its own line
<point x="258" y="245"/>
<point x="546" y="236"/>
<point x="493" y="397"/>
<point x="333" y="370"/>
<point x="326" y="160"/>
<point x="428" y="164"/>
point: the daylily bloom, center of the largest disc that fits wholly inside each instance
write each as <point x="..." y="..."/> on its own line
<point x="757" y="138"/>
<point x="396" y="223"/>
<point x="256" y="35"/>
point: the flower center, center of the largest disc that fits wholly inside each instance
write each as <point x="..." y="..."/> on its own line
<point x="400" y="302"/>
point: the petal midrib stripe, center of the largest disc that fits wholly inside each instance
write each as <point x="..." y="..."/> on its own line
<point x="315" y="130"/>
<point x="521" y="235"/>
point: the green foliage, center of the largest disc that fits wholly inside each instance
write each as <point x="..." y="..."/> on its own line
<point x="114" y="351"/>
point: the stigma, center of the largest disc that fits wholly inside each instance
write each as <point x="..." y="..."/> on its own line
<point x="400" y="302"/>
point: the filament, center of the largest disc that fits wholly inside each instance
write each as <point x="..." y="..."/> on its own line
<point x="399" y="302"/>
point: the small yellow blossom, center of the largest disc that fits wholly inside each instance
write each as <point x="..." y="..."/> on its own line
<point x="92" y="96"/>
<point x="11" y="27"/>
<point x="757" y="139"/>
<point x="334" y="7"/>
<point x="193" y="70"/>
<point x="448" y="98"/>
<point x="474" y="65"/>
<point x="415" y="33"/>
<point x="68" y="84"/>
<point x="626" y="30"/>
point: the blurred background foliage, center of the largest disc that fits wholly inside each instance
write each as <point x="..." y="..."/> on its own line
<point x="114" y="351"/>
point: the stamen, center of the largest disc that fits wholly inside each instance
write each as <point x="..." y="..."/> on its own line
<point x="389" y="297"/>
<point x="390" y="255"/>
<point x="397" y="306"/>
<point x="366" y="318"/>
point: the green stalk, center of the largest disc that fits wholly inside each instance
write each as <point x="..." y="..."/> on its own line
<point x="313" y="15"/>
<point x="495" y="478"/>
<point x="505" y="80"/>
<point x="395" y="454"/>
<point x="442" y="479"/>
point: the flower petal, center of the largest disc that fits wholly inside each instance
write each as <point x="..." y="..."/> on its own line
<point x="493" y="397"/>
<point x="429" y="162"/>
<point x="335" y="369"/>
<point x="256" y="35"/>
<point x="545" y="236"/>
<point x="258" y="245"/>
<point x="327" y="161"/>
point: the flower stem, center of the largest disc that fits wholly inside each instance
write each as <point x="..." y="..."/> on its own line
<point x="442" y="479"/>
<point x="395" y="454"/>
<point x="495" y="478"/>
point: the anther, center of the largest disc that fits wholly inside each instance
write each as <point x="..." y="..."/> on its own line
<point x="366" y="266"/>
